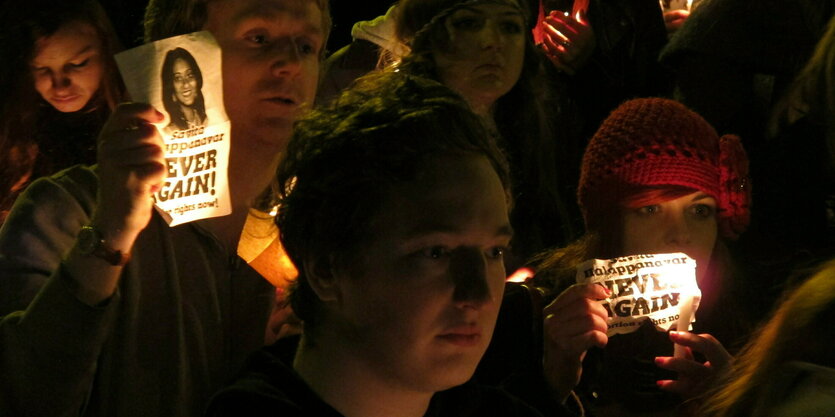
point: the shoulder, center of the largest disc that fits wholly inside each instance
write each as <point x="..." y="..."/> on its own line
<point x="268" y="386"/>
<point x="77" y="183"/>
<point x="59" y="204"/>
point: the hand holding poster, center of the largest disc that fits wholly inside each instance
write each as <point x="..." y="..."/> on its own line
<point x="661" y="288"/>
<point x="181" y="77"/>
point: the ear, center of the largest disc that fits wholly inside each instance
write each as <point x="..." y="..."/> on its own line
<point x="322" y="279"/>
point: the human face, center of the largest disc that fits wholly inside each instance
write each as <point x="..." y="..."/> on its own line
<point x="486" y="49"/>
<point x="270" y="64"/>
<point x="685" y="224"/>
<point x="419" y="307"/>
<point x="68" y="66"/>
<point x="185" y="84"/>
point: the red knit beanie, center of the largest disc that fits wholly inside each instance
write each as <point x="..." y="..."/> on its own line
<point x="654" y="142"/>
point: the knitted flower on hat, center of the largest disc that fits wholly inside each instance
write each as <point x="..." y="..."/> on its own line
<point x="655" y="142"/>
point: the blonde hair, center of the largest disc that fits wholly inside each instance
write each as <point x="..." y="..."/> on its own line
<point x="812" y="92"/>
<point x="799" y="330"/>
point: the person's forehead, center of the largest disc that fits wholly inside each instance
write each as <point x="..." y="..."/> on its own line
<point x="444" y="197"/>
<point x="69" y="40"/>
<point x="503" y="6"/>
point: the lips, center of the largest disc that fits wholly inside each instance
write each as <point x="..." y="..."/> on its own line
<point x="282" y="99"/>
<point x="491" y="66"/>
<point x="65" y="99"/>
<point x="464" y="336"/>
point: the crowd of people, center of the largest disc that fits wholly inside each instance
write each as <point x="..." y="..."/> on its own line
<point x="437" y="186"/>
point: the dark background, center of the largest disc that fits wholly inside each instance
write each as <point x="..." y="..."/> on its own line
<point x="127" y="18"/>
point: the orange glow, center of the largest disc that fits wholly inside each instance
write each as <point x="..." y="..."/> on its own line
<point x="521" y="275"/>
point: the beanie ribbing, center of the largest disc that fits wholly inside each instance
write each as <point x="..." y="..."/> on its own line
<point x="654" y="142"/>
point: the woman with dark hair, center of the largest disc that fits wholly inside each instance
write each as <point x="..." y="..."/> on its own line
<point x="656" y="178"/>
<point x="483" y="50"/>
<point x="60" y="83"/>
<point x="182" y="95"/>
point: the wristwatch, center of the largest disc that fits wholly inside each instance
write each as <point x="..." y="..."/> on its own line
<point x="91" y="243"/>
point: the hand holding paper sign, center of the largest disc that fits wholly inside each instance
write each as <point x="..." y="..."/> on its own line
<point x="574" y="322"/>
<point x="694" y="377"/>
<point x="131" y="168"/>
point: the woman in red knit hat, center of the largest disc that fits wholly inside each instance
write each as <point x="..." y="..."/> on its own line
<point x="656" y="178"/>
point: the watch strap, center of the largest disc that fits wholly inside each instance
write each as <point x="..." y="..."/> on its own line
<point x="100" y="249"/>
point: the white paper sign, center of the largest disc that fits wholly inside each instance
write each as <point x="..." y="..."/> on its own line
<point x="181" y="77"/>
<point x="661" y="288"/>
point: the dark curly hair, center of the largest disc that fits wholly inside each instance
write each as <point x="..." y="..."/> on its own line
<point x="171" y="105"/>
<point x="344" y="158"/>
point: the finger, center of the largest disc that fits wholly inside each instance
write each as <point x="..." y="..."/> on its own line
<point x="687" y="367"/>
<point x="572" y="309"/>
<point x="577" y="292"/>
<point x="130" y="136"/>
<point x="682" y="388"/>
<point x="140" y="155"/>
<point x="574" y="25"/>
<point x="577" y="345"/>
<point x="559" y="30"/>
<point x="582" y="17"/>
<point x="673" y="15"/>
<point x="557" y="328"/>
<point x="705" y="343"/>
<point x="128" y="115"/>
<point x="548" y="46"/>
<point x="152" y="176"/>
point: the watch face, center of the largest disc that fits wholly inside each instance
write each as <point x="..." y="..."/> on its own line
<point x="88" y="240"/>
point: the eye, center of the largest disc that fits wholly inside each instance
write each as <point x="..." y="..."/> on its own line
<point x="257" y="39"/>
<point x="436" y="252"/>
<point x="497" y="252"/>
<point x="649" y="210"/>
<point x="511" y="27"/>
<point x="306" y="47"/>
<point x="703" y="210"/>
<point x="40" y="71"/>
<point x="81" y="64"/>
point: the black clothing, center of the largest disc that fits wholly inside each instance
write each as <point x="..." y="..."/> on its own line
<point x="629" y="35"/>
<point x="268" y="387"/>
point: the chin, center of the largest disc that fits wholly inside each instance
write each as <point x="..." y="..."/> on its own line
<point x="68" y="107"/>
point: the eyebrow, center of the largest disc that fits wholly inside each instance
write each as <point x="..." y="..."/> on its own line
<point x="427" y="229"/>
<point x="701" y="196"/>
<point x="83" y="50"/>
<point x="88" y="48"/>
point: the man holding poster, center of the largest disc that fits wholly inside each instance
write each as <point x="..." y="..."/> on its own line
<point x="108" y="310"/>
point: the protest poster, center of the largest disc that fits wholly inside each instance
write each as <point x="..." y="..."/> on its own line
<point x="181" y="77"/>
<point x="660" y="288"/>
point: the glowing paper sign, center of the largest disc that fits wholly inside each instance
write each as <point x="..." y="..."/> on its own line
<point x="181" y="77"/>
<point x="658" y="288"/>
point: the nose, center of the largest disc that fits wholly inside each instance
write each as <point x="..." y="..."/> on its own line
<point x="469" y="271"/>
<point x="491" y="36"/>
<point x="677" y="231"/>
<point x="60" y="80"/>
<point x="287" y="61"/>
